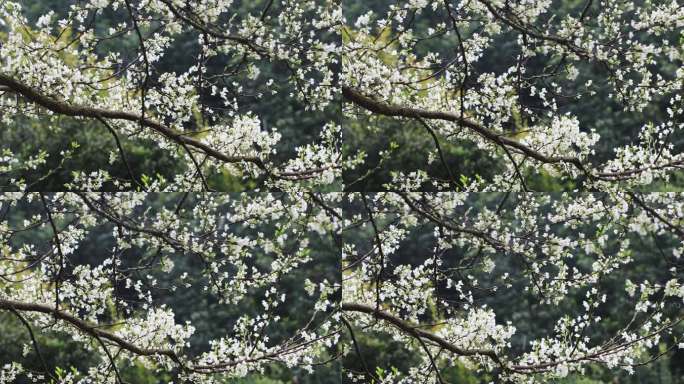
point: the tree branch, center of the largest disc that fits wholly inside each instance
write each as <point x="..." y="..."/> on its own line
<point x="66" y="109"/>
<point x="87" y="328"/>
<point x="419" y="333"/>
<point x="356" y="97"/>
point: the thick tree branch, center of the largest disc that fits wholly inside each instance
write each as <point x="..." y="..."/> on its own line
<point x="63" y="108"/>
<point x="356" y="97"/>
<point x="87" y="328"/>
<point x="419" y="333"/>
